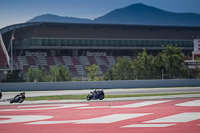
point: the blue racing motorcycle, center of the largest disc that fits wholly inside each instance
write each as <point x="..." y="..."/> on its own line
<point x="95" y="95"/>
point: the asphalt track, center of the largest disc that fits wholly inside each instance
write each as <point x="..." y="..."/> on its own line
<point x="7" y="95"/>
<point x="134" y="116"/>
<point x="155" y="114"/>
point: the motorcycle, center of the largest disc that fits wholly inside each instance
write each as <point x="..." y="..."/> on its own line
<point x="17" y="99"/>
<point x="95" y="95"/>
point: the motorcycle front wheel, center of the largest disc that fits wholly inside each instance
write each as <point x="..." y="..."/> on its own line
<point x="88" y="98"/>
<point x="11" y="101"/>
<point x="20" y="101"/>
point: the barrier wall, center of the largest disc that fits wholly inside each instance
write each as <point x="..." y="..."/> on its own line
<point x="76" y="85"/>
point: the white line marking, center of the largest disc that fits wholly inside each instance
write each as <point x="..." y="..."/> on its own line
<point x="96" y="107"/>
<point x="111" y="118"/>
<point x="134" y="105"/>
<point x="183" y="117"/>
<point x="103" y="119"/>
<point x="55" y="106"/>
<point x="140" y="104"/>
<point x="23" y="118"/>
<point x="52" y="122"/>
<point x="149" y="125"/>
<point x="190" y="103"/>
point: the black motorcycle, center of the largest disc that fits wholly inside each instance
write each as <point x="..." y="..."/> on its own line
<point x="95" y="95"/>
<point x="17" y="99"/>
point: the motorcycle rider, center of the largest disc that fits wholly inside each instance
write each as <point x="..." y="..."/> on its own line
<point x="95" y="93"/>
<point x="22" y="95"/>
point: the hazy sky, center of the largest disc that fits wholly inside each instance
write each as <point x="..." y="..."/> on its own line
<point x="19" y="11"/>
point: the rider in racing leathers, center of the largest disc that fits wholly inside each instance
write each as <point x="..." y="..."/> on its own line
<point x="22" y="95"/>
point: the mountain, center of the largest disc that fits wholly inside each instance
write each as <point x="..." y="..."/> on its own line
<point x="136" y="14"/>
<point x="141" y="14"/>
<point x="55" y="18"/>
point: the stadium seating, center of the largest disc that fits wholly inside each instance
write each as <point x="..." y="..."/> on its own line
<point x="15" y="60"/>
<point x="67" y="60"/>
<point x="92" y="60"/>
<point x="84" y="60"/>
<point x="50" y="61"/>
<point x="103" y="68"/>
<point x="3" y="61"/>
<point x="111" y="60"/>
<point x="73" y="70"/>
<point x="31" y="61"/>
<point x="75" y="60"/>
<point x="42" y="61"/>
<point x="104" y="58"/>
<point x="23" y="60"/>
<point x="75" y="64"/>
<point x="59" y="60"/>
<point x="100" y="61"/>
<point x="80" y="69"/>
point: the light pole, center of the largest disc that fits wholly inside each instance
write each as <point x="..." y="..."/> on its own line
<point x="11" y="63"/>
<point x="109" y="72"/>
<point x="55" y="74"/>
<point x="162" y="74"/>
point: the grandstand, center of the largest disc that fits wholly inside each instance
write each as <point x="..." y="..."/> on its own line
<point x="76" y="46"/>
<point x="4" y="58"/>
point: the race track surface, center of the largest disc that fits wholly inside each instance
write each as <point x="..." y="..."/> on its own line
<point x="7" y="95"/>
<point x="152" y="116"/>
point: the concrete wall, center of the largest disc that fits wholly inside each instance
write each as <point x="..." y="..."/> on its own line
<point x="98" y="84"/>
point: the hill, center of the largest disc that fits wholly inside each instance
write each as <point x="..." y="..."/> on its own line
<point x="135" y="14"/>
<point x="60" y="19"/>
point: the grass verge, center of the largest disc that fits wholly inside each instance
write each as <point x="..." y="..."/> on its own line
<point x="79" y="97"/>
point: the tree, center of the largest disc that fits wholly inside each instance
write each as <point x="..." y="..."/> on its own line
<point x="108" y="75"/>
<point x="160" y="65"/>
<point x="144" y="65"/>
<point x="35" y="74"/>
<point x="41" y="75"/>
<point x="122" y="70"/>
<point x="59" y="73"/>
<point x="172" y="61"/>
<point x="30" y="75"/>
<point x="194" y="72"/>
<point x="92" y="72"/>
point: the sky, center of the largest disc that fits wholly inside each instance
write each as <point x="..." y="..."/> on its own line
<point x="20" y="11"/>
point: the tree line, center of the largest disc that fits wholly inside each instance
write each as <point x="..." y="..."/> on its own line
<point x="57" y="73"/>
<point x="167" y="64"/>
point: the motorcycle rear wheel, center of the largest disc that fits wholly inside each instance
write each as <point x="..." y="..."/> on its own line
<point x="101" y="97"/>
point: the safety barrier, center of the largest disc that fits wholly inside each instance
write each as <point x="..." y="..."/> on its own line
<point x="77" y="85"/>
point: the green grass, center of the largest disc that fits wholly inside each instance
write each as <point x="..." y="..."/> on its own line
<point x="60" y="97"/>
<point x="78" y="97"/>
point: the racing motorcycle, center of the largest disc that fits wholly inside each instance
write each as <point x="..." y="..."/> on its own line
<point x="18" y="99"/>
<point x="95" y="95"/>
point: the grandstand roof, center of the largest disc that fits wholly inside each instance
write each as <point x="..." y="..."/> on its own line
<point x="95" y="25"/>
<point x="77" y="31"/>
